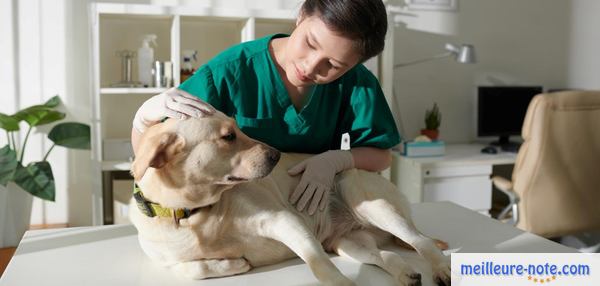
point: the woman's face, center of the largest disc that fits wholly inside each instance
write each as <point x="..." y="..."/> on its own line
<point x="317" y="55"/>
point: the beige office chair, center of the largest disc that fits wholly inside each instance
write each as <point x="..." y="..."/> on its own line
<point x="555" y="188"/>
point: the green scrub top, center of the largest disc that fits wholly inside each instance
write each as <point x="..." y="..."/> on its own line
<point x="243" y="83"/>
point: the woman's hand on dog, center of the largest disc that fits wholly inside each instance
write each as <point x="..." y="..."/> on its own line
<point x="318" y="173"/>
<point x="173" y="103"/>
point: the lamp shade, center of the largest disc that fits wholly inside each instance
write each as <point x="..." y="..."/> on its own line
<point x="465" y="54"/>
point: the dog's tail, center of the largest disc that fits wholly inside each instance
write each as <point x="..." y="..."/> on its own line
<point x="442" y="245"/>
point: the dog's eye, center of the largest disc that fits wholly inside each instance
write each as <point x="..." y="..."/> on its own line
<point x="229" y="137"/>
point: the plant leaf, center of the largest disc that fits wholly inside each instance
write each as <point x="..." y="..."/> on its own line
<point x="8" y="123"/>
<point x="36" y="179"/>
<point x="39" y="115"/>
<point x="53" y="102"/>
<point x="8" y="164"/>
<point x="71" y="135"/>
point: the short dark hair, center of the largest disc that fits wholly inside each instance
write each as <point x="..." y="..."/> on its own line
<point x="362" y="20"/>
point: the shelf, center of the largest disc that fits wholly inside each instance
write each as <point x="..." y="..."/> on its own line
<point x="128" y="10"/>
<point x="266" y="27"/>
<point x="116" y="165"/>
<point x="144" y="90"/>
<point x="126" y="33"/>
<point x="208" y="37"/>
<point x="158" y="11"/>
<point x="207" y="29"/>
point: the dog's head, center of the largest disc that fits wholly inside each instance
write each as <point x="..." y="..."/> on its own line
<point x="199" y="152"/>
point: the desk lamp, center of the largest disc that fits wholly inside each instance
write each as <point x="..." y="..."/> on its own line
<point x="465" y="54"/>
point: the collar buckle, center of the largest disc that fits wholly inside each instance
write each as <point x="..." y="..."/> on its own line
<point x="143" y="204"/>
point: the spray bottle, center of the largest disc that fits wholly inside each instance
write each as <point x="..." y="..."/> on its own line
<point x="187" y="69"/>
<point x="145" y="59"/>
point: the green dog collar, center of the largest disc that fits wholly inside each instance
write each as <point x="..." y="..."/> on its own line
<point x="151" y="209"/>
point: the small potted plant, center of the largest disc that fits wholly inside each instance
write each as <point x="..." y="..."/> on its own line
<point x="433" y="119"/>
<point x="19" y="181"/>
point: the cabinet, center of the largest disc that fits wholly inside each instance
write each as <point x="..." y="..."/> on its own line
<point x="116" y="27"/>
<point x="461" y="176"/>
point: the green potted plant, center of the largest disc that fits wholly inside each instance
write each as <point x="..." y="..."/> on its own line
<point x="433" y="120"/>
<point x="20" y="181"/>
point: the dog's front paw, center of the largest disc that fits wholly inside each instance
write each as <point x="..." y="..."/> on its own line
<point x="441" y="273"/>
<point x="408" y="278"/>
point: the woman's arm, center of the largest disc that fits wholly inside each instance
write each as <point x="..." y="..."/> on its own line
<point x="366" y="158"/>
<point x="371" y="158"/>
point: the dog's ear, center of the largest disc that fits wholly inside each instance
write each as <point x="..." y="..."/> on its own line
<point x="156" y="151"/>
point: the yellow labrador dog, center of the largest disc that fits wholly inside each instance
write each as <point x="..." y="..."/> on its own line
<point x="228" y="195"/>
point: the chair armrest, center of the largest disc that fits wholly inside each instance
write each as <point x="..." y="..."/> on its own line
<point x="502" y="183"/>
<point x="506" y="187"/>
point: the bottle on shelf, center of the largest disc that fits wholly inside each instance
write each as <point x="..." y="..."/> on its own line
<point x="146" y="59"/>
<point x="187" y="69"/>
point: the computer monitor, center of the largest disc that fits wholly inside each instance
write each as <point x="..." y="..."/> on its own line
<point x="501" y="111"/>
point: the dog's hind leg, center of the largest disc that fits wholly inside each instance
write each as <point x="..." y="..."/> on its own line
<point x="291" y="231"/>
<point x="383" y="215"/>
<point x="379" y="204"/>
<point x="362" y="246"/>
<point x="207" y="268"/>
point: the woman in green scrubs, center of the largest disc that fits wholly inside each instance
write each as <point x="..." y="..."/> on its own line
<point x="299" y="93"/>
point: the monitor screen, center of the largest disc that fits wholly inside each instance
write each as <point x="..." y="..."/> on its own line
<point x="501" y="109"/>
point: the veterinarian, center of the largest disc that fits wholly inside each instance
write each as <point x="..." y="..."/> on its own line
<point x="299" y="93"/>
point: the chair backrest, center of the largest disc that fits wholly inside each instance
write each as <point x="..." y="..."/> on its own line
<point x="557" y="172"/>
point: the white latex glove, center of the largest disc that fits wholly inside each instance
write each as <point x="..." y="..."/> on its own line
<point x="317" y="180"/>
<point x="173" y="103"/>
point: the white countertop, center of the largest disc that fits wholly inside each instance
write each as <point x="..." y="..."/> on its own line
<point x="110" y="255"/>
<point x="464" y="155"/>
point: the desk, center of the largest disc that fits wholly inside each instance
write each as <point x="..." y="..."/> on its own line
<point x="111" y="172"/>
<point x="110" y="255"/>
<point x="461" y="176"/>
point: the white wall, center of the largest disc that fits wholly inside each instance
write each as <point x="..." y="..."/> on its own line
<point x="517" y="42"/>
<point x="556" y="41"/>
<point x="78" y="90"/>
<point x="7" y="71"/>
<point x="46" y="52"/>
<point x="42" y="61"/>
<point x="33" y="72"/>
<point x="584" y="41"/>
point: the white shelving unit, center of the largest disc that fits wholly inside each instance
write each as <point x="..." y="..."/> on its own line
<point x="116" y="90"/>
<point x="115" y="27"/>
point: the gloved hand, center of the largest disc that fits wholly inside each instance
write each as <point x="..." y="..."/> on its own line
<point x="317" y="180"/>
<point x="174" y="103"/>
